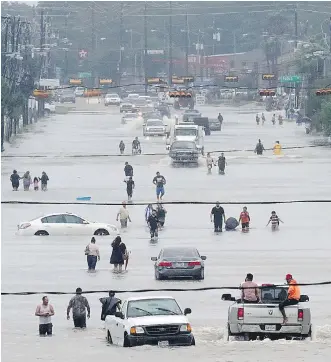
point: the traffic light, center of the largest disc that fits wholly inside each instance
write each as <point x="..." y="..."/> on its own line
<point x="323" y="92"/>
<point x="181" y="94"/>
<point x="231" y="78"/>
<point x="268" y="76"/>
<point x="267" y="92"/>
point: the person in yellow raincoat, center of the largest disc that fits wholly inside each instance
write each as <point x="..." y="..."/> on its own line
<point x="277" y="149"/>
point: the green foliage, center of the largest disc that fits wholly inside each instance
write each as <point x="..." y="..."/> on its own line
<point x="325" y="116"/>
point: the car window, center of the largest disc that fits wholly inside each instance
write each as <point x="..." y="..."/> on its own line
<point x="180" y="253"/>
<point x="146" y="307"/>
<point x="54" y="219"/>
<point x="72" y="219"/>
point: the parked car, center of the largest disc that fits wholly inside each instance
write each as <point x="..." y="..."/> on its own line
<point x="64" y="224"/>
<point x="264" y="319"/>
<point x="179" y="262"/>
<point x="149" y="320"/>
<point x="127" y="107"/>
<point x="49" y="108"/>
<point x="112" y="99"/>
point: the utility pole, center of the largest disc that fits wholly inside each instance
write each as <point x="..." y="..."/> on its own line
<point x="41" y="103"/>
<point x="93" y="45"/>
<point x="4" y="47"/>
<point x="145" y="47"/>
<point x="296" y="26"/>
<point x="65" y="75"/>
<point x="170" y="44"/>
<point x="119" y="67"/>
<point x="186" y="43"/>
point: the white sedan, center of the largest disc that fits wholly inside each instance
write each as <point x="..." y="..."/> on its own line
<point x="149" y="320"/>
<point x="64" y="224"/>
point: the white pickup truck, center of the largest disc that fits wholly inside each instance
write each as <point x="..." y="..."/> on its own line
<point x="149" y="320"/>
<point x="252" y="321"/>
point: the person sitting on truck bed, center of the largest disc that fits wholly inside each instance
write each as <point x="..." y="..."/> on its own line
<point x="250" y="291"/>
<point x="293" y="296"/>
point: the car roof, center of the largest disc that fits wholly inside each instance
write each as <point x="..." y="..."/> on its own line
<point x="150" y="297"/>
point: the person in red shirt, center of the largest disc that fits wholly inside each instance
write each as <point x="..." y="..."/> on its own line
<point x="244" y="219"/>
<point x="293" y="296"/>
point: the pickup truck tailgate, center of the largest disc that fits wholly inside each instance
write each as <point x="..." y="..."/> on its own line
<point x="268" y="314"/>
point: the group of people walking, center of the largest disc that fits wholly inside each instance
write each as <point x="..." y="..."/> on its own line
<point x="80" y="309"/>
<point x="118" y="258"/>
<point x="217" y="216"/>
<point x="273" y="119"/>
<point x="27" y="181"/>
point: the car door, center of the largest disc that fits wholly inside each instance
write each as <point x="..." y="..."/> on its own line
<point x="53" y="224"/>
<point x="118" y="328"/>
<point x="75" y="225"/>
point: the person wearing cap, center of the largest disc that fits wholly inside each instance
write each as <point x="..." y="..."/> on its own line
<point x="78" y="304"/>
<point x="123" y="215"/>
<point x="217" y="216"/>
<point x="293" y="296"/>
<point x="109" y="305"/>
<point x="159" y="181"/>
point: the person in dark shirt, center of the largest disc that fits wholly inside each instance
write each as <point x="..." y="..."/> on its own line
<point x="44" y="179"/>
<point x="259" y="148"/>
<point x="15" y="180"/>
<point x="221" y="162"/>
<point x="217" y="216"/>
<point x="161" y="214"/>
<point x="153" y="223"/>
<point x="159" y="181"/>
<point x="128" y="170"/>
<point x="129" y="187"/>
<point x="109" y="305"/>
<point x="121" y="146"/>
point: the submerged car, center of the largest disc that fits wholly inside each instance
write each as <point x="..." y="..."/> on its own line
<point x="184" y="152"/>
<point x="179" y="262"/>
<point x="154" y="127"/>
<point x="152" y="320"/>
<point x="127" y="107"/>
<point x="264" y="320"/>
<point x="64" y="224"/>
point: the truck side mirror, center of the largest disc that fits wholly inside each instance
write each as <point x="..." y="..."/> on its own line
<point x="227" y="297"/>
<point x="304" y="298"/>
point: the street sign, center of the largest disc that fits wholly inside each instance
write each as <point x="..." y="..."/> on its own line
<point x="268" y="76"/>
<point x="105" y="81"/>
<point x="85" y="75"/>
<point x="83" y="53"/>
<point x="290" y="79"/>
<point x="155" y="51"/>
<point x="75" y="81"/>
<point x="230" y="78"/>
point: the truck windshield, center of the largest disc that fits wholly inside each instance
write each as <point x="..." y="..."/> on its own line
<point x="273" y="295"/>
<point x="183" y="145"/>
<point x="186" y="132"/>
<point x="147" y="307"/>
<point x="154" y="124"/>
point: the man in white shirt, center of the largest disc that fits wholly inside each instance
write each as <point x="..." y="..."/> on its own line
<point x="124" y="216"/>
<point x="45" y="311"/>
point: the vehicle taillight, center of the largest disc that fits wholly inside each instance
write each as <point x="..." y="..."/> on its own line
<point x="25" y="226"/>
<point x="194" y="263"/>
<point x="300" y="315"/>
<point x="165" y="263"/>
<point x="240" y="314"/>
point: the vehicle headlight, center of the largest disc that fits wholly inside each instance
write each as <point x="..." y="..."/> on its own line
<point x="185" y="328"/>
<point x="137" y="330"/>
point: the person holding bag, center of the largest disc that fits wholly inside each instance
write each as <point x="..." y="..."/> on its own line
<point x="92" y="255"/>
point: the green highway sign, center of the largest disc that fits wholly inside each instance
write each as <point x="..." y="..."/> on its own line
<point x="85" y="75"/>
<point x="290" y="79"/>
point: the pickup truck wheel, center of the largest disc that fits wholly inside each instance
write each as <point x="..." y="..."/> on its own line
<point x="109" y="339"/>
<point x="312" y="333"/>
<point x="126" y="342"/>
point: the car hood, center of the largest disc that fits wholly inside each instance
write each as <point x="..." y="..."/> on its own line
<point x="185" y="138"/>
<point x="160" y="319"/>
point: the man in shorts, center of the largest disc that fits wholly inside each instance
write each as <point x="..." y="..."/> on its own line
<point x="244" y="219"/>
<point x="159" y="181"/>
<point x="45" y="311"/>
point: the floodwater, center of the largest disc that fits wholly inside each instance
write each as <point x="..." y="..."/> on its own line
<point x="301" y="247"/>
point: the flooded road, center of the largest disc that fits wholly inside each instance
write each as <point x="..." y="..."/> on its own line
<point x="301" y="247"/>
